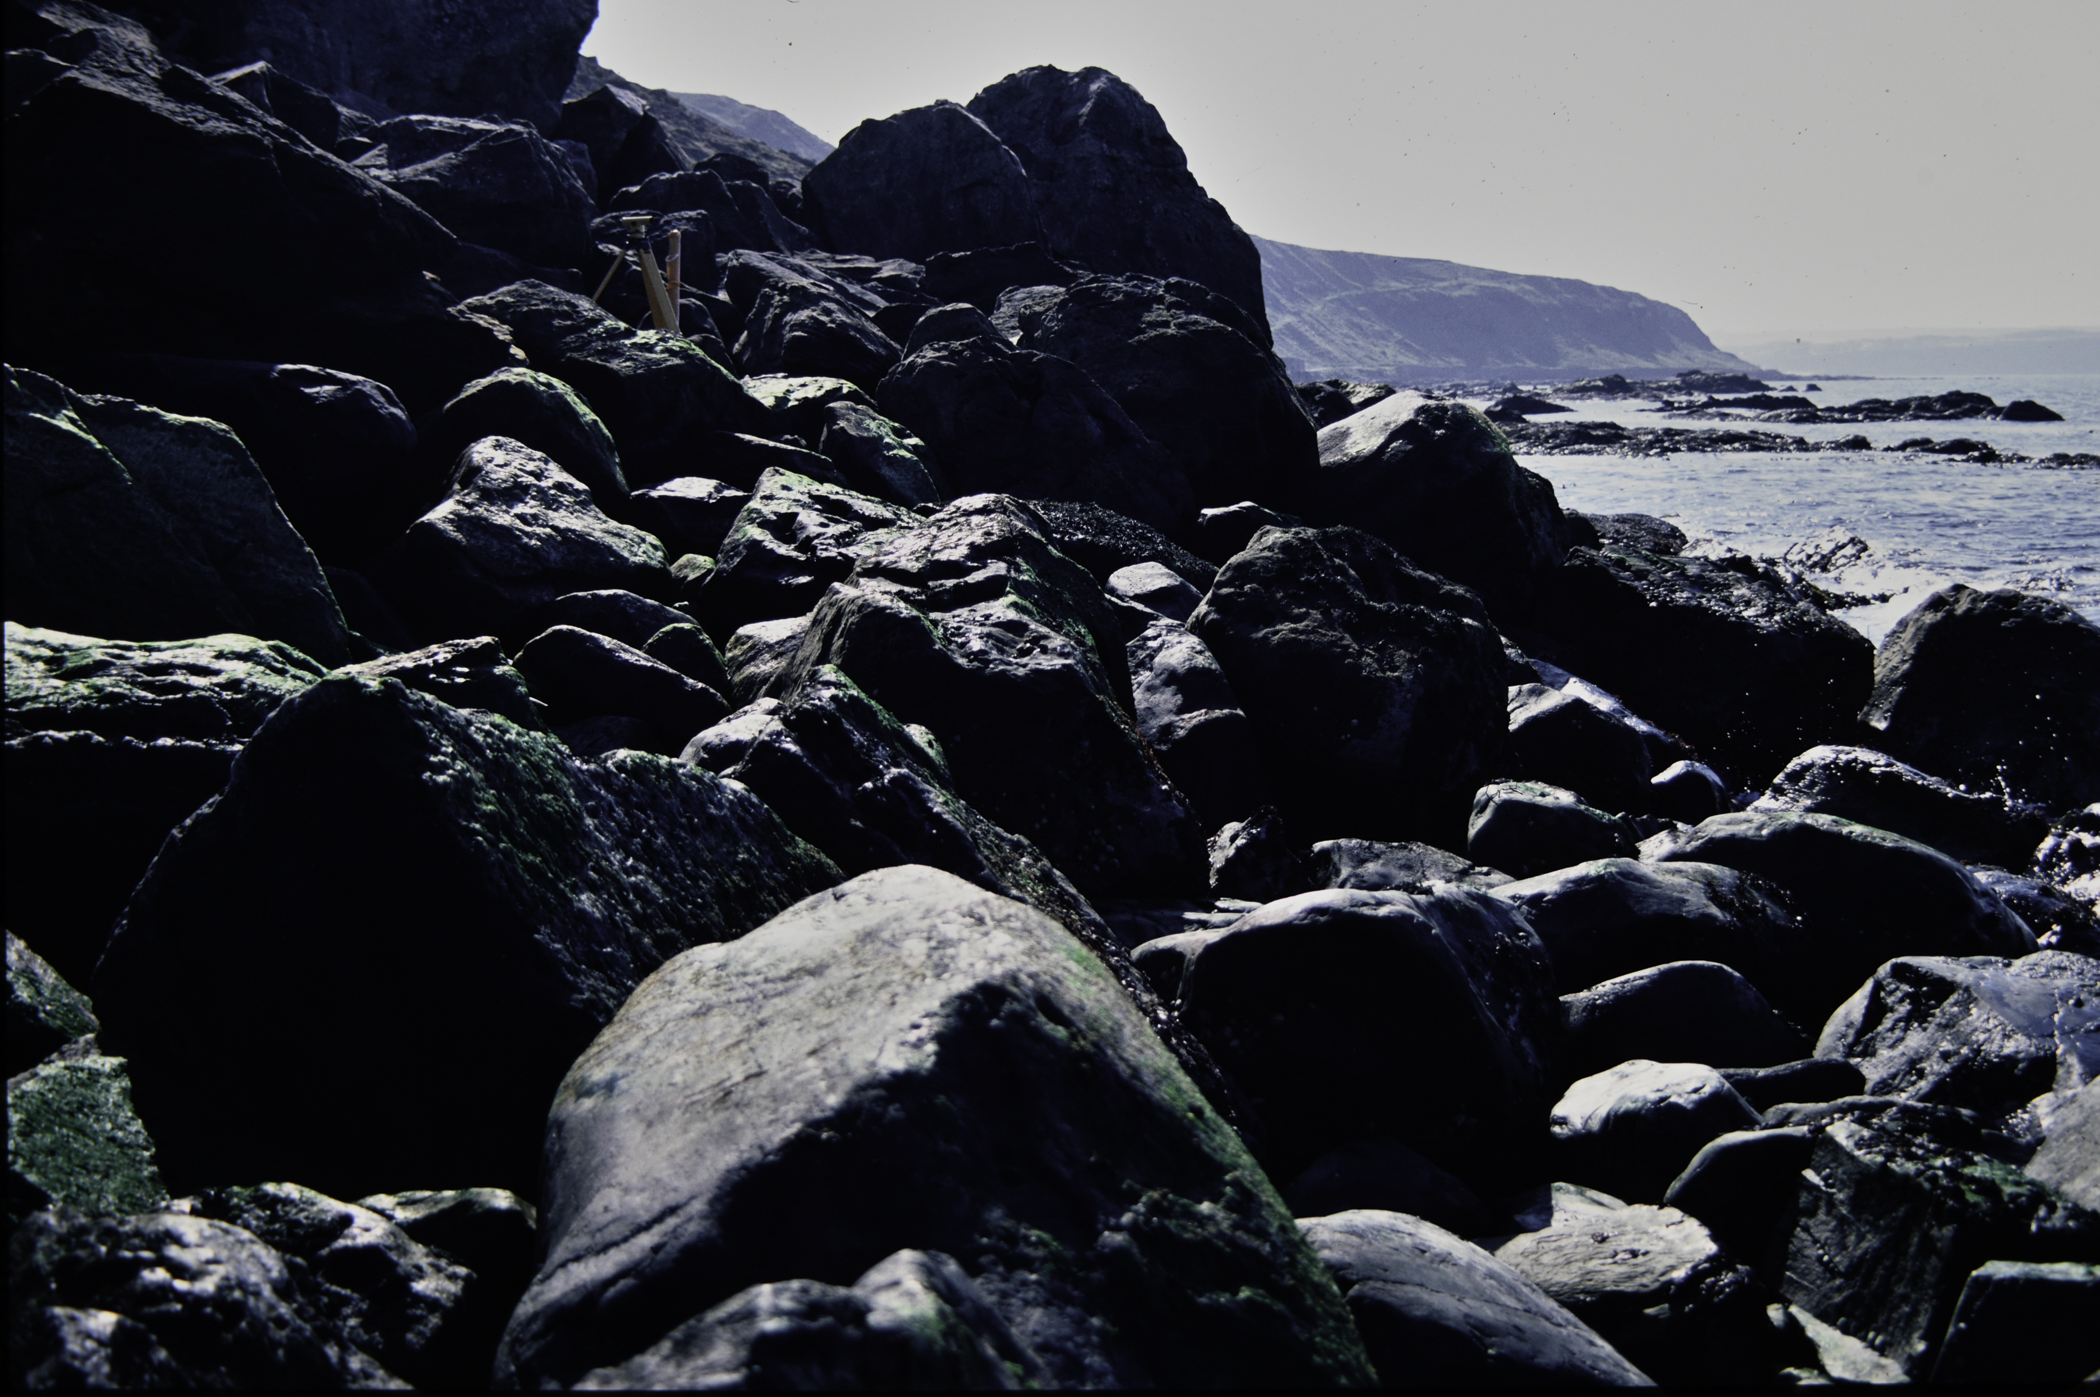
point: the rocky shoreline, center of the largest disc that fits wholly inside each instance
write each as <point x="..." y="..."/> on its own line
<point x="942" y="823"/>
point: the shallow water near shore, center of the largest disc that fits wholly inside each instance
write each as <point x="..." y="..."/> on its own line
<point x="1931" y="520"/>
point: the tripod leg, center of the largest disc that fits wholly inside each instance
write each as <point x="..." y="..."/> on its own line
<point x="610" y="272"/>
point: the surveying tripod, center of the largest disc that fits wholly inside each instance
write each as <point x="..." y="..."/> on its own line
<point x="662" y="297"/>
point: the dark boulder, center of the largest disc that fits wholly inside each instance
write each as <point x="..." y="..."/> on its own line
<point x="1864" y="895"/>
<point x="492" y="1231"/>
<point x="797" y="329"/>
<point x="123" y="520"/>
<point x="514" y="532"/>
<point x="1997" y="690"/>
<point x="627" y="143"/>
<point x="1375" y="688"/>
<point x="2059" y="921"/>
<point x="307" y="110"/>
<point x="1528" y="828"/>
<point x="1720" y="650"/>
<point x="793" y="538"/>
<point x="1105" y="542"/>
<point x="1254" y="859"/>
<point x="929" y="180"/>
<point x="1156" y="588"/>
<point x="1562" y="740"/>
<point x="1034" y="425"/>
<point x="580" y="674"/>
<point x="975" y="627"/>
<point x="122" y="140"/>
<point x="1112" y="188"/>
<point x="756" y="655"/>
<point x="44" y="1013"/>
<point x="1438" y="1312"/>
<point x="338" y="450"/>
<point x="1684" y="1011"/>
<point x="1327" y="1008"/>
<point x="536" y="409"/>
<point x="1436" y="481"/>
<point x="1870" y="788"/>
<point x="1653" y="1283"/>
<point x="739" y="459"/>
<point x="1633" y="1128"/>
<point x="878" y="457"/>
<point x="1386" y="1175"/>
<point x="799" y="405"/>
<point x="1641" y="531"/>
<point x="74" y="1142"/>
<point x="960" y="1039"/>
<point x="1688" y="791"/>
<point x="494" y="184"/>
<point x="165" y="1299"/>
<point x="1613" y="917"/>
<point x="1187" y="714"/>
<point x="1741" y="1185"/>
<point x="472" y="673"/>
<point x="1195" y="376"/>
<point x="691" y="514"/>
<point x="1371" y="866"/>
<point x="1899" y="1214"/>
<point x="1980" y="1032"/>
<point x="523" y="894"/>
<point x="2028" y="1318"/>
<point x="1227" y="530"/>
<point x="654" y="391"/>
<point x="713" y="210"/>
<point x="2028" y="410"/>
<point x="625" y="617"/>
<point x="111" y="744"/>
<point x="691" y="651"/>
<point x="1331" y="399"/>
<point x="979" y="274"/>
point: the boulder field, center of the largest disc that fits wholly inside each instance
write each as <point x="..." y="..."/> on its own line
<point x="941" y="823"/>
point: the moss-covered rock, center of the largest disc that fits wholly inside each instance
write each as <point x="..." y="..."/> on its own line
<point x="73" y="1141"/>
<point x="44" y="1013"/>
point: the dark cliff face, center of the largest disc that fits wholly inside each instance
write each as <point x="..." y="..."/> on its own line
<point x="1410" y="319"/>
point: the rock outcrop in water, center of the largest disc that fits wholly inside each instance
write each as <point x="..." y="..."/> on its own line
<point x="947" y="825"/>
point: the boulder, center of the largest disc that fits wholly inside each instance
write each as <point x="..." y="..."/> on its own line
<point x="307" y="110"/>
<point x="522" y="896"/>
<point x="691" y="514"/>
<point x="799" y="405"/>
<point x="798" y="329"/>
<point x="973" y="626"/>
<point x="491" y="1231"/>
<point x="464" y="673"/>
<point x="912" y="1027"/>
<point x="1891" y="1217"/>
<point x="689" y="650"/>
<point x="1375" y="688"/>
<point x="1722" y="651"/>
<point x="74" y="1142"/>
<point x="1105" y="542"/>
<point x="427" y="1317"/>
<point x="653" y="390"/>
<point x="736" y="214"/>
<point x="123" y="139"/>
<point x="622" y="616"/>
<point x="915" y="1320"/>
<point x="2069" y="855"/>
<point x="1434" y="479"/>
<point x="536" y="409"/>
<point x="1112" y="188"/>
<point x="494" y="184"/>
<point x="1997" y="690"/>
<point x="513" y="532"/>
<point x="1685" y="1011"/>
<point x="1633" y="1128"/>
<point x="44" y="1013"/>
<point x="1157" y="588"/>
<point x="2028" y="410"/>
<point x="1436" y="1311"/>
<point x="1187" y="714"/>
<point x="2069" y="1159"/>
<point x="111" y="744"/>
<point x="1530" y="828"/>
<point x="1870" y="788"/>
<point x="792" y="539"/>
<point x="164" y="1299"/>
<point x="1386" y="1175"/>
<point x="1740" y="1186"/>
<point x="338" y="451"/>
<point x="844" y="774"/>
<point x="1326" y="1009"/>
<point x="123" y="520"/>
<point x="878" y="457"/>
<point x="1196" y="376"/>
<point x="1688" y="791"/>
<point x="1980" y="1032"/>
<point x="1863" y="895"/>
<point x="757" y="654"/>
<point x="1253" y="859"/>
<point x="627" y="143"/>
<point x="1613" y="917"/>
<point x="1371" y="866"/>
<point x="1329" y="400"/>
<point x="978" y="275"/>
<point x="1558" y="739"/>
<point x="1028" y="424"/>
<point x="929" y="180"/>
<point x="1810" y="1079"/>
<point x="1642" y="531"/>
<point x="2023" y="1320"/>
<point x="581" y="674"/>
<point x="1652" y="1283"/>
<point x="2059" y="921"/>
<point x="740" y="459"/>
<point x="1227" y="530"/>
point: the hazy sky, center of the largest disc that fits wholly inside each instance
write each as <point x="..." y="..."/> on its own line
<point x="1799" y="169"/>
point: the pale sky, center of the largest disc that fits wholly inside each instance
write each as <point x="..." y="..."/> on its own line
<point x="1775" y="168"/>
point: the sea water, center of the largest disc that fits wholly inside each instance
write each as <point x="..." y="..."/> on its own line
<point x="1930" y="520"/>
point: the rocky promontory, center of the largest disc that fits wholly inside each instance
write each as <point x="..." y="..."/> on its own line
<point x="929" y="817"/>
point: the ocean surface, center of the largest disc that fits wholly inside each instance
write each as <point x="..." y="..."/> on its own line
<point x="1929" y="520"/>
